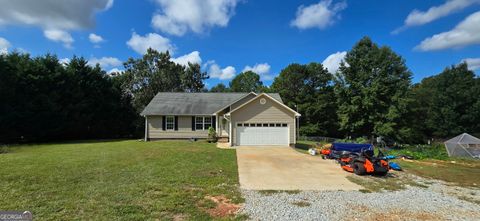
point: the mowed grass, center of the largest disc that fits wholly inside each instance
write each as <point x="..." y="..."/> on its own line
<point x="461" y="173"/>
<point x="117" y="180"/>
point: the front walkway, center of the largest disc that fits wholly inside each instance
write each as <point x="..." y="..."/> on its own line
<point x="283" y="168"/>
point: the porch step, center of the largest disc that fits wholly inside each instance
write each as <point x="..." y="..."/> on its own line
<point x="222" y="140"/>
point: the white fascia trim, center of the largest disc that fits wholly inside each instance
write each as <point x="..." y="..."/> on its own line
<point x="271" y="98"/>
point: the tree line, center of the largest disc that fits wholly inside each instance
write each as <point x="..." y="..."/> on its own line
<point x="372" y="94"/>
<point x="43" y="99"/>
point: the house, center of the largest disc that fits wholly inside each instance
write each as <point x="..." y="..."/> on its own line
<point x="238" y="118"/>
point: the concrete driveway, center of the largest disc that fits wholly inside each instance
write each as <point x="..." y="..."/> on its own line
<point x="283" y="168"/>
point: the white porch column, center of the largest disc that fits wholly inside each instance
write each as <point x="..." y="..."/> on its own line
<point x="146" y="129"/>
<point x="216" y="125"/>
<point x="230" y="137"/>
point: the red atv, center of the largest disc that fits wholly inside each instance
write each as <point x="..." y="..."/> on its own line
<point x="365" y="162"/>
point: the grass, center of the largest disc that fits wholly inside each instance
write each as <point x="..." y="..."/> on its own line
<point x="271" y="192"/>
<point x="301" y="203"/>
<point x="302" y="146"/>
<point x="462" y="173"/>
<point x="117" y="180"/>
<point x="379" y="184"/>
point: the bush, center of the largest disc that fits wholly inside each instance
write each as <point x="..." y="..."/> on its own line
<point x="420" y="152"/>
<point x="356" y="140"/>
<point x="3" y="149"/>
<point x="212" y="135"/>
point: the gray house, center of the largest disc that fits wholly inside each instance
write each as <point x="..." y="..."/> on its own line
<point x="238" y="118"/>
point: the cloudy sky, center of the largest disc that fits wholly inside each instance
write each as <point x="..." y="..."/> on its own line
<point x="230" y="36"/>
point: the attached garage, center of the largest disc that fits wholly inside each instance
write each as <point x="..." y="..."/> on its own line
<point x="263" y="121"/>
<point x="253" y="134"/>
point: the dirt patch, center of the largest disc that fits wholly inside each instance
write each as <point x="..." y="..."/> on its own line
<point x="223" y="207"/>
<point x="403" y="215"/>
<point x="369" y="214"/>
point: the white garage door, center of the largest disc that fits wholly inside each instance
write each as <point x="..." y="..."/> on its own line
<point x="252" y="134"/>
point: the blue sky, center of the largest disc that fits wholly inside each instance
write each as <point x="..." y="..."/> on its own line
<point x="229" y="36"/>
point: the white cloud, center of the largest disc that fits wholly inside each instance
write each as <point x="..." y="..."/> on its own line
<point x="59" y="36"/>
<point x="140" y="44"/>
<point x="193" y="57"/>
<point x="320" y="15"/>
<point x="95" y="38"/>
<point x="53" y="16"/>
<point x="261" y="69"/>
<point x="465" y="33"/>
<point x="215" y="71"/>
<point x="105" y="62"/>
<point x="64" y="61"/>
<point x="178" y="17"/>
<point x="473" y="63"/>
<point x="258" y="68"/>
<point x="115" y="70"/>
<point x="4" y="45"/>
<point x="417" y="18"/>
<point x="332" y="62"/>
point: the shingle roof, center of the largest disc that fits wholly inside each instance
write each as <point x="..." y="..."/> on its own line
<point x="166" y="103"/>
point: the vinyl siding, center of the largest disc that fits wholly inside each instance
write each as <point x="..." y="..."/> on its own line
<point x="242" y="101"/>
<point x="184" y="129"/>
<point x="270" y="112"/>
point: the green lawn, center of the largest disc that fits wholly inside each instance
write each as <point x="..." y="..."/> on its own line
<point x="302" y="146"/>
<point x="459" y="173"/>
<point x="117" y="180"/>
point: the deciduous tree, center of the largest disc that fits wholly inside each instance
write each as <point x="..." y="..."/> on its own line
<point x="246" y="82"/>
<point x="308" y="89"/>
<point x="372" y="89"/>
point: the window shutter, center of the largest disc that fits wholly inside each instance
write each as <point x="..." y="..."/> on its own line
<point x="164" y="122"/>
<point x="193" y="123"/>
<point x="213" y="123"/>
<point x="176" y="122"/>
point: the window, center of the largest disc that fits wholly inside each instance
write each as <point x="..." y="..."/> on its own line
<point x="284" y="125"/>
<point x="272" y="125"/>
<point x="246" y="125"/>
<point x="259" y="125"/>
<point x="252" y="125"/>
<point x="203" y="123"/>
<point x="265" y="125"/>
<point x="278" y="125"/>
<point x="207" y="123"/>
<point x="170" y="122"/>
<point x="239" y="125"/>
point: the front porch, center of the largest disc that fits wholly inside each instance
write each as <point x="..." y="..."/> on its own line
<point x="223" y="127"/>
